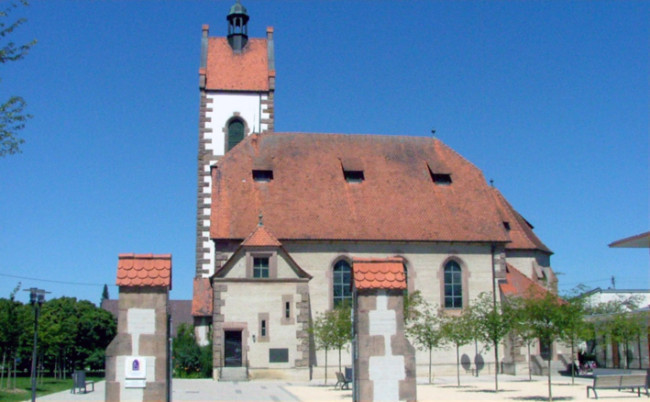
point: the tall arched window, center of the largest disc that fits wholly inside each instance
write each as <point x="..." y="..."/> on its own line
<point x="453" y="285"/>
<point x="342" y="276"/>
<point x="235" y="133"/>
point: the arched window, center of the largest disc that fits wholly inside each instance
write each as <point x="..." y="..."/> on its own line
<point x="453" y="285"/>
<point x="235" y="133"/>
<point x="342" y="275"/>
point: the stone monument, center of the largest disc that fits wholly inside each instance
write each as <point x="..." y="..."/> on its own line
<point x="137" y="360"/>
<point x="384" y="364"/>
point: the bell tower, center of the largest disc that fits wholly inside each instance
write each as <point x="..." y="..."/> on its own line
<point x="236" y="88"/>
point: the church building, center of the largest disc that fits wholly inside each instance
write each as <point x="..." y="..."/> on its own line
<point x="282" y="216"/>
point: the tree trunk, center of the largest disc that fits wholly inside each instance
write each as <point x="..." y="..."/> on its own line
<point x="496" y="358"/>
<point x="475" y="355"/>
<point x="627" y="355"/>
<point x="340" y="360"/>
<point x="638" y="340"/>
<point x="550" y="395"/>
<point x="325" y="366"/>
<point x="458" y="365"/>
<point x="573" y="374"/>
<point x="430" y="365"/>
<point x="496" y="362"/>
<point x="2" y="373"/>
<point x="530" y="369"/>
<point x="15" y="367"/>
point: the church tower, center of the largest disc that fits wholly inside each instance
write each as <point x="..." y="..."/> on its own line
<point x="236" y="86"/>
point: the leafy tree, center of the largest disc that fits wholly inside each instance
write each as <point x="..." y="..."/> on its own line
<point x="12" y="113"/>
<point x="493" y="323"/>
<point x="544" y="316"/>
<point x="614" y="319"/>
<point x="457" y="329"/>
<point x="58" y="332"/>
<point x="624" y="327"/>
<point x="574" y="328"/>
<point x="522" y="330"/>
<point x="332" y="330"/>
<point x="10" y="329"/>
<point x="423" y="325"/>
<point x="96" y="328"/>
<point x="189" y="359"/>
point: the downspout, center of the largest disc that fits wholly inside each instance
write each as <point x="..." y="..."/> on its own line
<point x="494" y="278"/>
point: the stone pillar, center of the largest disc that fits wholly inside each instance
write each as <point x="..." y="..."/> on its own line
<point x="138" y="357"/>
<point x="384" y="361"/>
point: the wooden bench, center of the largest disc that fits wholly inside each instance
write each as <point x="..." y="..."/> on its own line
<point x="341" y="381"/>
<point x="628" y="379"/>
<point x="79" y="382"/>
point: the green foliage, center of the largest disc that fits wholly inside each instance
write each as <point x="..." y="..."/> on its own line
<point x="105" y="295"/>
<point x="12" y="111"/>
<point x="492" y="322"/>
<point x="71" y="334"/>
<point x="458" y="328"/>
<point x="546" y="319"/>
<point x="190" y="359"/>
<point x="422" y="325"/>
<point x="332" y="330"/>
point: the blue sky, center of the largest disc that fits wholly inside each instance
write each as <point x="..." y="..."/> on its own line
<point x="549" y="99"/>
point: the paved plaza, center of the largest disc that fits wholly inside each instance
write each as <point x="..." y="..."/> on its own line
<point x="512" y="388"/>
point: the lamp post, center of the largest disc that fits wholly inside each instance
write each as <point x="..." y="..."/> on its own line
<point x="36" y="299"/>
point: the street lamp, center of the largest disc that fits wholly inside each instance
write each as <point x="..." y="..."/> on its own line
<point x="36" y="299"/>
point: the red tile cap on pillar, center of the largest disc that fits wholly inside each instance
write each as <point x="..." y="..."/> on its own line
<point x="379" y="273"/>
<point x="144" y="270"/>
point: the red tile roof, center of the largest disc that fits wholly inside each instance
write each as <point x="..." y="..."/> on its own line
<point x="309" y="198"/>
<point x="144" y="270"/>
<point x="202" y="298"/>
<point x="230" y="71"/>
<point x="518" y="284"/>
<point x="521" y="232"/>
<point x="379" y="273"/>
<point x="261" y="238"/>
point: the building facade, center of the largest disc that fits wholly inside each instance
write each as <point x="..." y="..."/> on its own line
<point x="282" y="216"/>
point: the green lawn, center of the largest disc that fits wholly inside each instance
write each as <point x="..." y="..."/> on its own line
<point x="47" y="385"/>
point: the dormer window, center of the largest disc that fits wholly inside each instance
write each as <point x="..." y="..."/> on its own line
<point x="262" y="175"/>
<point x="441" y="179"/>
<point x="506" y="225"/>
<point x="353" y="176"/>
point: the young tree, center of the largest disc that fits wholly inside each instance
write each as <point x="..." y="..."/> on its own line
<point x="574" y="328"/>
<point x="422" y="325"/>
<point x="544" y="317"/>
<point x="625" y="327"/>
<point x="12" y="115"/>
<point x="522" y="330"/>
<point x="493" y="323"/>
<point x="458" y="330"/>
<point x="332" y="330"/>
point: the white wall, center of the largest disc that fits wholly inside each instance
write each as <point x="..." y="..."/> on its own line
<point x="224" y="106"/>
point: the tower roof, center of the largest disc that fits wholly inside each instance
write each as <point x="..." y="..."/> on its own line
<point x="237" y="8"/>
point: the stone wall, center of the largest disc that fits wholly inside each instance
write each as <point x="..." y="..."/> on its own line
<point x="141" y="331"/>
